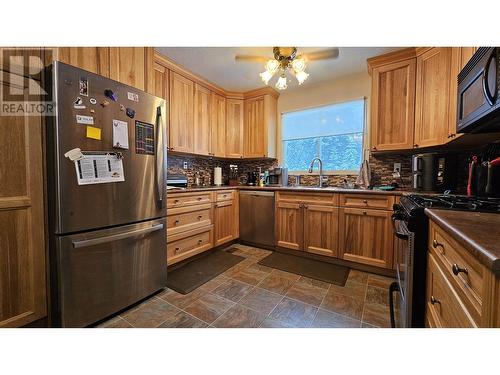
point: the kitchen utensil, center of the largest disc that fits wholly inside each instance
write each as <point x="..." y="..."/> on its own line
<point x="472" y="167"/>
<point x="491" y="165"/>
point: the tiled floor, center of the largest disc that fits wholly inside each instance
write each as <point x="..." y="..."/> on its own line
<point x="250" y="295"/>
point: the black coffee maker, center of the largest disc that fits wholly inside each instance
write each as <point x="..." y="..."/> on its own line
<point x="252" y="178"/>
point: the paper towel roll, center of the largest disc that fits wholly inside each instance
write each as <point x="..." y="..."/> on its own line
<point x="217" y="176"/>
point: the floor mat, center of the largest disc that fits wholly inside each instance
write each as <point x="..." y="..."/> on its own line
<point x="196" y="273"/>
<point x="314" y="269"/>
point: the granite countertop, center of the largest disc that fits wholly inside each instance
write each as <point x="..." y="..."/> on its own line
<point x="312" y="189"/>
<point x="473" y="230"/>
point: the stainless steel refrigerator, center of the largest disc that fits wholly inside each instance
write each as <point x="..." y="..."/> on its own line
<point x="106" y="207"/>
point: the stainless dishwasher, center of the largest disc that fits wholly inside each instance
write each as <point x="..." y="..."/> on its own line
<point x="257" y="218"/>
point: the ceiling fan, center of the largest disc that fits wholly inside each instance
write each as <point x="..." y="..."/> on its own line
<point x="287" y="59"/>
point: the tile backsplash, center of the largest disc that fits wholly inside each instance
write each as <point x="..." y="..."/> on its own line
<point x="381" y="169"/>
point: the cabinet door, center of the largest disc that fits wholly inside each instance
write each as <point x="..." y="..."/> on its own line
<point x="321" y="229"/>
<point x="432" y="104"/>
<point x="160" y="86"/>
<point x="392" y="106"/>
<point x="181" y="113"/>
<point x="254" y="129"/>
<point x="202" y="112"/>
<point x="289" y="225"/>
<point x="132" y="66"/>
<point x="218" y="126"/>
<point x="234" y="128"/>
<point x="224" y="219"/>
<point x="22" y="242"/>
<point x="93" y="59"/>
<point x="366" y="236"/>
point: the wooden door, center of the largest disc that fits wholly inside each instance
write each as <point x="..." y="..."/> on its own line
<point x="432" y="103"/>
<point x="224" y="222"/>
<point x="366" y="236"/>
<point x="93" y="59"/>
<point x="321" y="229"/>
<point x="289" y="225"/>
<point x="22" y="242"/>
<point x="234" y="128"/>
<point x="393" y="106"/>
<point x="181" y="127"/>
<point x="254" y="129"/>
<point x="132" y="66"/>
<point x="218" y="126"/>
<point x="160" y="87"/>
<point x="202" y="112"/>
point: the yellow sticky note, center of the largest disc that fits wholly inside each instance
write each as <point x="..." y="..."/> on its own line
<point x="93" y="132"/>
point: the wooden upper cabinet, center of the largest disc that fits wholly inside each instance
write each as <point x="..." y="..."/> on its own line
<point x="132" y="66"/>
<point x="181" y="113"/>
<point x="254" y="128"/>
<point x="393" y="106"/>
<point x="218" y="126"/>
<point x="321" y="229"/>
<point x="202" y="112"/>
<point x="366" y="236"/>
<point x="465" y="55"/>
<point x="234" y="128"/>
<point x="93" y="59"/>
<point x="161" y="81"/>
<point x="22" y="240"/>
<point x="432" y="104"/>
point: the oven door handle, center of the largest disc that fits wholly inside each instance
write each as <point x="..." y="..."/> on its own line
<point x="394" y="287"/>
<point x="400" y="235"/>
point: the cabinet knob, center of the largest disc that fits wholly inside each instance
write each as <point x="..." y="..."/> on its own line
<point x="176" y="222"/>
<point x="200" y="241"/>
<point x="176" y="250"/>
<point x="176" y="201"/>
<point x="365" y="201"/>
<point x="199" y="198"/>
<point x="436" y="244"/>
<point x="171" y="148"/>
<point x="364" y="212"/>
<point x="199" y="217"/>
<point x="374" y="148"/>
<point x="456" y="269"/>
<point x="415" y="145"/>
<point x="434" y="300"/>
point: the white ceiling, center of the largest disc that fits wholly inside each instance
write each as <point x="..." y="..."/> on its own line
<point x="217" y="65"/>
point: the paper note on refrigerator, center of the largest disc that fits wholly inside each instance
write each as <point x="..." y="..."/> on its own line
<point x="120" y="134"/>
<point x="99" y="169"/>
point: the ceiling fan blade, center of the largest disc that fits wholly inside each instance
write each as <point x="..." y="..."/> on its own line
<point x="248" y="58"/>
<point x="331" y="53"/>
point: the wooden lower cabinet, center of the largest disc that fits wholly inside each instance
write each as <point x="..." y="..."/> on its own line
<point x="365" y="236"/>
<point x="321" y="229"/>
<point x="187" y="244"/>
<point x="224" y="222"/>
<point x="289" y="225"/>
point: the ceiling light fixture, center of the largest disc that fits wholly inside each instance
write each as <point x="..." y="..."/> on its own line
<point x="285" y="59"/>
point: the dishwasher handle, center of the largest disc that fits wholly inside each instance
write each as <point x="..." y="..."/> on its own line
<point x="257" y="193"/>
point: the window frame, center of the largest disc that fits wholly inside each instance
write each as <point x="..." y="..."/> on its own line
<point x="315" y="171"/>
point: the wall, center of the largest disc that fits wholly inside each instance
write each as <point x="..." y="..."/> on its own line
<point x="336" y="91"/>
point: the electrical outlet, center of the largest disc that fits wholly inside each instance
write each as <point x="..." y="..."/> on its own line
<point x="397" y="167"/>
<point x="185" y="165"/>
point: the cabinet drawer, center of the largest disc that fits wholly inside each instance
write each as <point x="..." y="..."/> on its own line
<point x="226" y="195"/>
<point x="452" y="255"/>
<point x="318" y="198"/>
<point x="195" y="242"/>
<point x="379" y="201"/>
<point x="187" y="199"/>
<point x="186" y="218"/>
<point x="442" y="302"/>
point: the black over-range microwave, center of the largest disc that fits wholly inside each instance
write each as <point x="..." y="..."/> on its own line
<point x="478" y="104"/>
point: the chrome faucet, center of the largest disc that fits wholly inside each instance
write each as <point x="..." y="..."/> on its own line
<point x="320" y="165"/>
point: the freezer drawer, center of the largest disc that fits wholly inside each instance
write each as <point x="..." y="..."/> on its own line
<point x="101" y="272"/>
<point x="257" y="217"/>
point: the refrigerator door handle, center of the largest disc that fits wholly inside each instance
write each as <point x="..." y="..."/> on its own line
<point x="115" y="237"/>
<point x="160" y="155"/>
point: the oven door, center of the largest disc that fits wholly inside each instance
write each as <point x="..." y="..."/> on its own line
<point x="477" y="91"/>
<point x="401" y="291"/>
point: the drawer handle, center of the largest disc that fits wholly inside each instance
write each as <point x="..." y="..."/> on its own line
<point x="364" y="212"/>
<point x="199" y="198"/>
<point x="176" y="222"/>
<point x="365" y="201"/>
<point x="199" y="217"/>
<point x="176" y="250"/>
<point x="200" y="241"/>
<point x="176" y="201"/>
<point x="456" y="270"/>
<point x="436" y="244"/>
<point x="224" y="195"/>
<point x="434" y="300"/>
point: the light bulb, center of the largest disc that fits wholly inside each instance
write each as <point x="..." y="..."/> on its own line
<point x="266" y="76"/>
<point x="281" y="84"/>
<point x="301" y="77"/>
<point x="299" y="64"/>
<point x="272" y="65"/>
